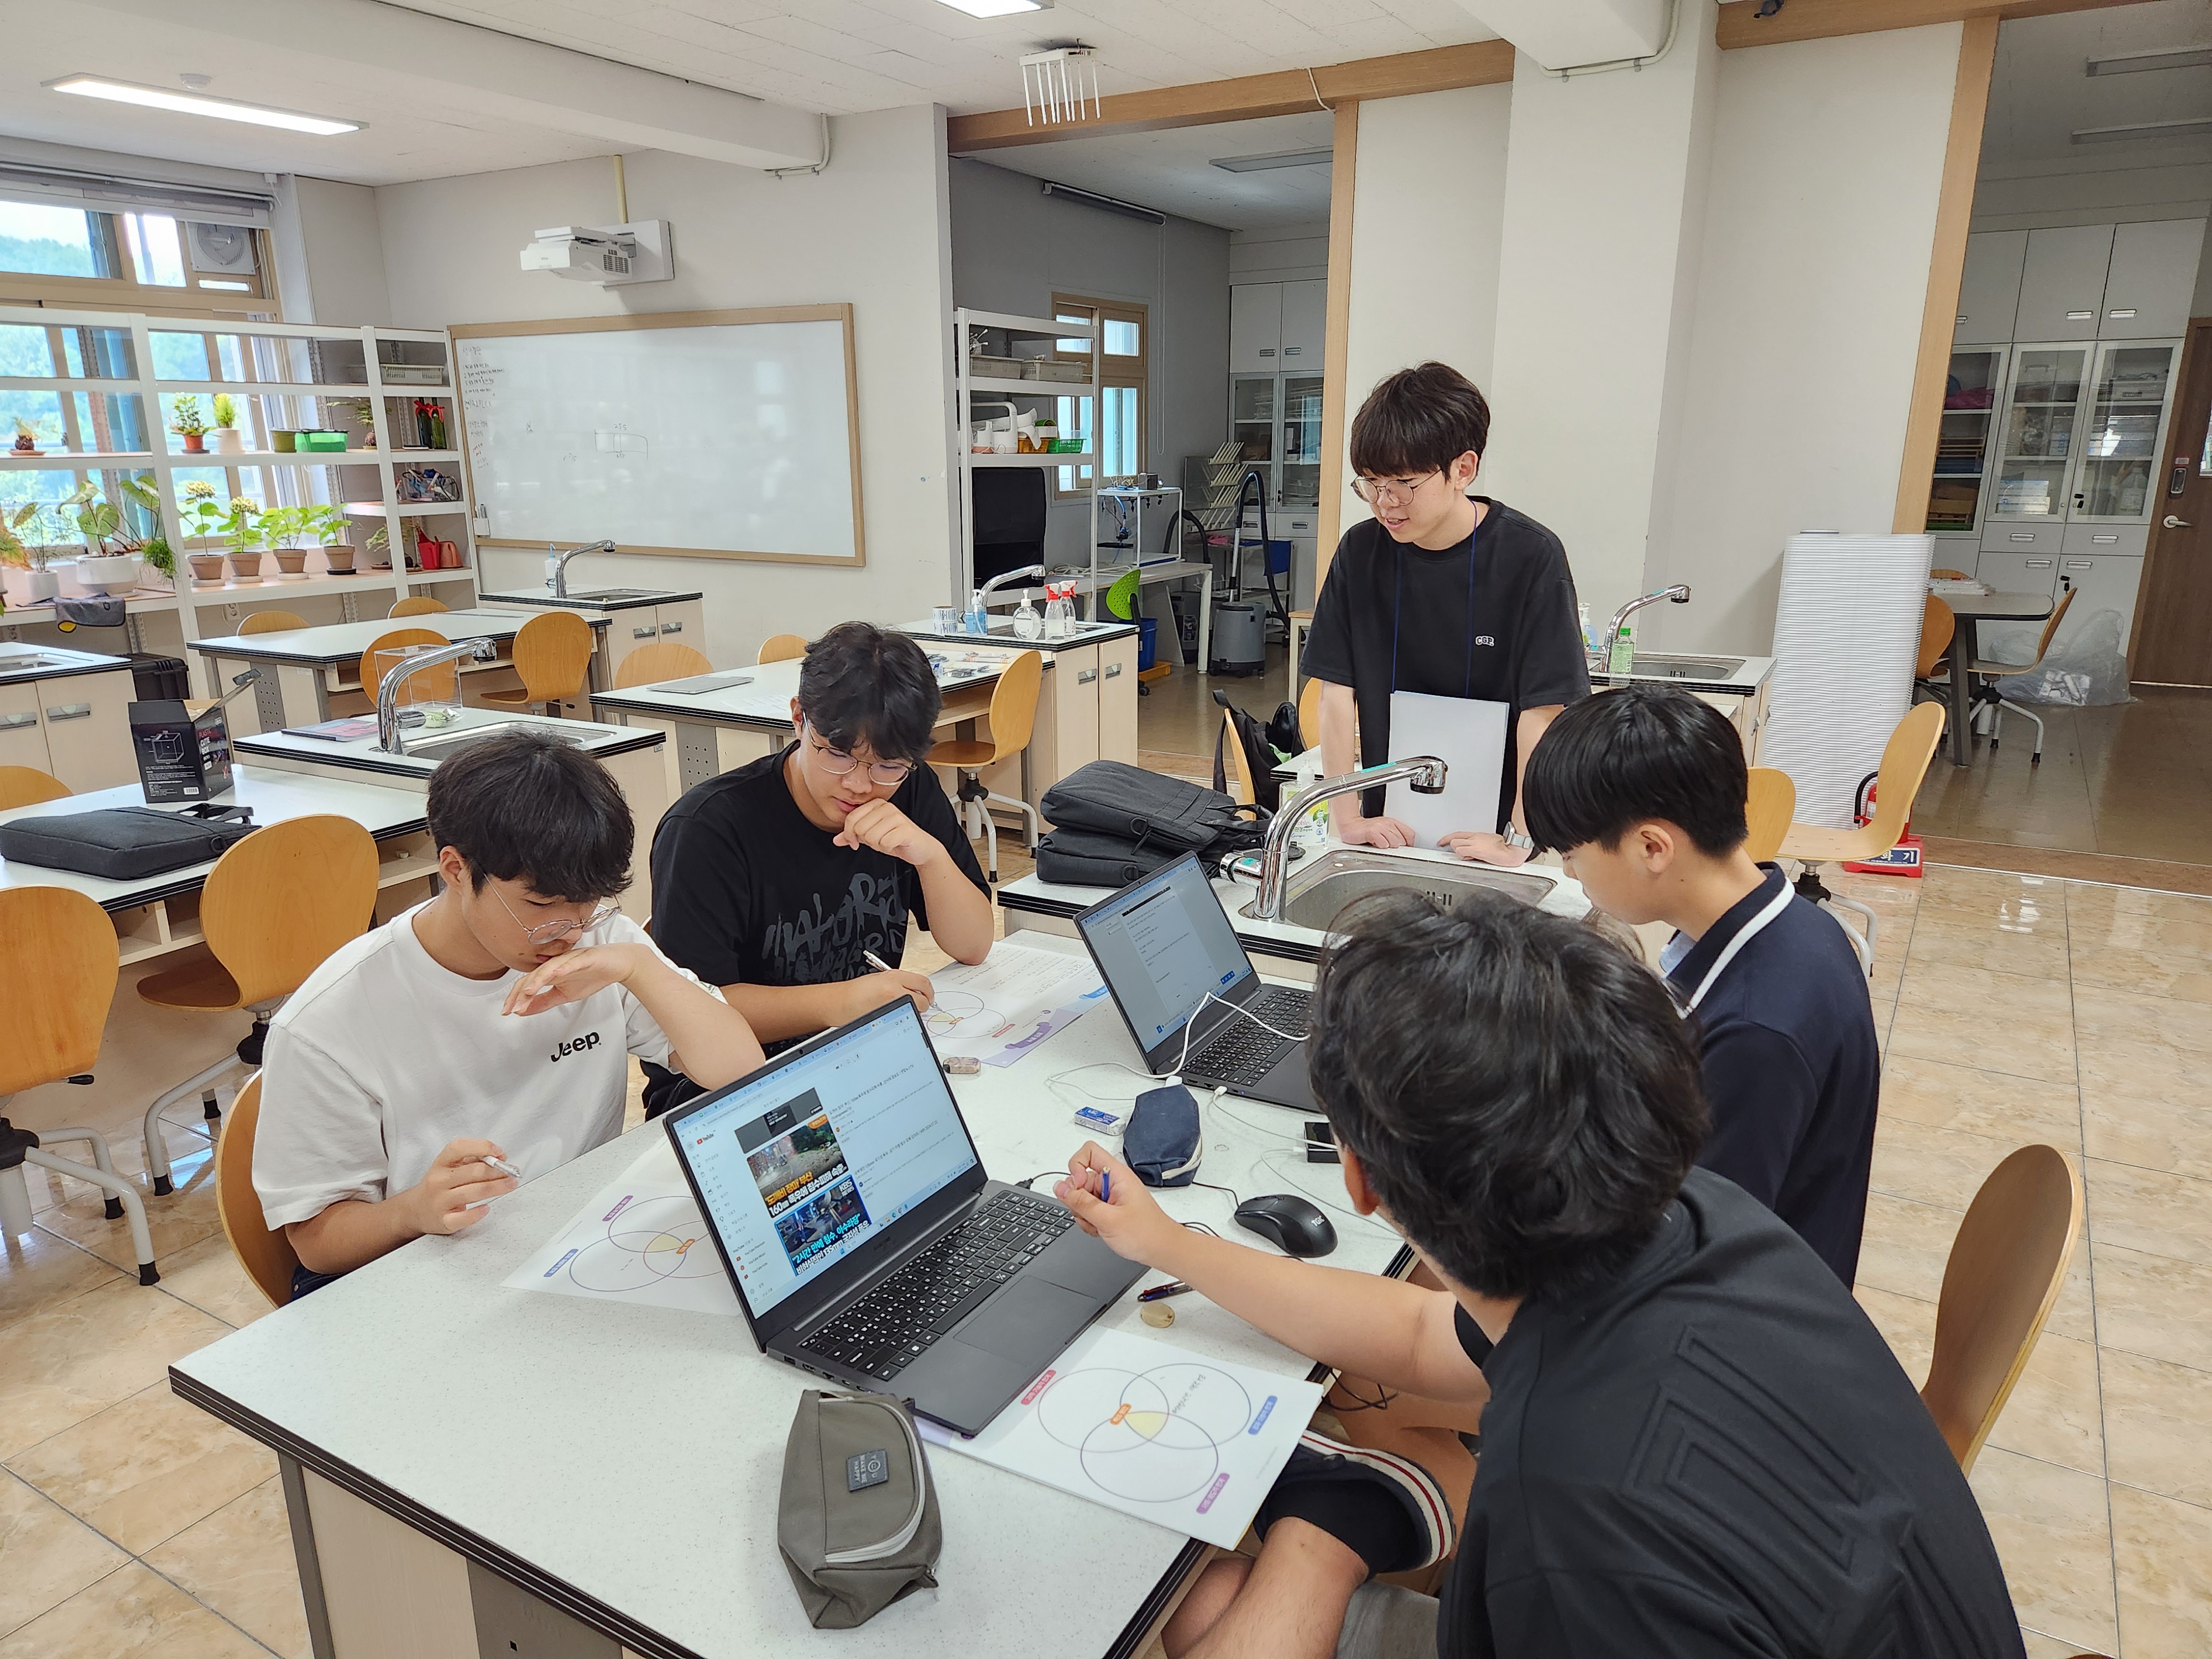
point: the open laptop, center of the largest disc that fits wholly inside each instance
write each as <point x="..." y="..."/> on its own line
<point x="852" y="1215"/>
<point x="1162" y="944"/>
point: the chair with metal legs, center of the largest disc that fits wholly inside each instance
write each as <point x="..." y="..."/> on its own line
<point x="1013" y="719"/>
<point x="56" y="979"/>
<point x="275" y="906"/>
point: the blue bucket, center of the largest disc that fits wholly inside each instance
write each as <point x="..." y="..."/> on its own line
<point x="1148" y="642"/>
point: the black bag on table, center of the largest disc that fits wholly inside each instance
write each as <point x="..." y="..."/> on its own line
<point x="1148" y="810"/>
<point x="126" y="843"/>
<point x="1079" y="858"/>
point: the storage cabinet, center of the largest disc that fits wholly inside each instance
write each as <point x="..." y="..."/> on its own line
<point x="1957" y="495"/>
<point x="1255" y="328"/>
<point x="2100" y="582"/>
<point x="1306" y="320"/>
<point x="2152" y="281"/>
<point x="2062" y="285"/>
<point x="1989" y="293"/>
<point x="76" y="726"/>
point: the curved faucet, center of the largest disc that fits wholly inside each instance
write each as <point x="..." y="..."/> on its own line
<point x="388" y="738"/>
<point x="1005" y="576"/>
<point x="1679" y="593"/>
<point x="561" y="565"/>
<point x="1425" y="773"/>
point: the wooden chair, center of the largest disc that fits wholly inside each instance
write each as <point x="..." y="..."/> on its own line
<point x="1905" y="760"/>
<point x="272" y="622"/>
<point x="1244" y="789"/>
<point x="1768" y="808"/>
<point x="1013" y="717"/>
<point x="27" y="786"/>
<point x="781" y="647"/>
<point x="665" y="659"/>
<point x="1949" y="576"/>
<point x="418" y="604"/>
<point x="434" y="682"/>
<point x="1310" y="713"/>
<point x="2008" y="1265"/>
<point x="274" y="906"/>
<point x="56" y="979"/>
<point x="265" y="1252"/>
<point x="1938" y="623"/>
<point x="553" y="653"/>
<point x="1982" y="674"/>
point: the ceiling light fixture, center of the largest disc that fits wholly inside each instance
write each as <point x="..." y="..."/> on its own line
<point x="995" y="8"/>
<point x="2144" y="130"/>
<point x="2165" y="57"/>
<point x="1281" y="158"/>
<point x="189" y="103"/>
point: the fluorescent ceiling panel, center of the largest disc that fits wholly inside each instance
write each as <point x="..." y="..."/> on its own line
<point x="995" y="8"/>
<point x="2143" y="130"/>
<point x="194" y="103"/>
<point x="2135" y="62"/>
<point x="1287" y="158"/>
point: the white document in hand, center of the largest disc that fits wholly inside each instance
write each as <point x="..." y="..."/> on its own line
<point x="1468" y="735"/>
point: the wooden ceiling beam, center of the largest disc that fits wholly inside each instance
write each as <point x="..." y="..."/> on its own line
<point x="1285" y="92"/>
<point x="1740" y="25"/>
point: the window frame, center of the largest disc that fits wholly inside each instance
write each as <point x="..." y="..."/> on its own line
<point x="1130" y="373"/>
<point x="128" y="290"/>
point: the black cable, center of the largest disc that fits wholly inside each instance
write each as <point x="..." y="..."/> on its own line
<point x="1211" y="1187"/>
<point x="1380" y="1403"/>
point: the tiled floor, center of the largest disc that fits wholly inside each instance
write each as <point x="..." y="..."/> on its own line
<point x="2014" y="1009"/>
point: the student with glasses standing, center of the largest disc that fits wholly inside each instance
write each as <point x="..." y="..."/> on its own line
<point x="485" y="1034"/>
<point x="779" y="880"/>
<point x="1439" y="594"/>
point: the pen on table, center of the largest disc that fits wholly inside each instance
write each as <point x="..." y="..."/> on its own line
<point x="502" y="1165"/>
<point x="1161" y="1292"/>
<point x="876" y="962"/>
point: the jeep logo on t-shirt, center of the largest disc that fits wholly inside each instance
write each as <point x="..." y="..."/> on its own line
<point x="589" y="1040"/>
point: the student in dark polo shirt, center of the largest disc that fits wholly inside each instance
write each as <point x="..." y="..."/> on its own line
<point x="1695" y="1442"/>
<point x="777" y="880"/>
<point x="1439" y="594"/>
<point x="1642" y="791"/>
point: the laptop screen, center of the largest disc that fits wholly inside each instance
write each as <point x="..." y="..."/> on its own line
<point x="808" y="1161"/>
<point x="1161" y="944"/>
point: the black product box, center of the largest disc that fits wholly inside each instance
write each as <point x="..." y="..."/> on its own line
<point x="181" y="757"/>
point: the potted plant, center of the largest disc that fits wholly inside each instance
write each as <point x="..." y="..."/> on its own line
<point x="188" y="423"/>
<point x="23" y="553"/>
<point x="363" y="411"/>
<point x="379" y="548"/>
<point x="27" y="438"/>
<point x="228" y="440"/>
<point x="160" y="557"/>
<point x="330" y="526"/>
<point x="242" y="529"/>
<point x="112" y="545"/>
<point x="202" y="515"/>
<point x="282" y="530"/>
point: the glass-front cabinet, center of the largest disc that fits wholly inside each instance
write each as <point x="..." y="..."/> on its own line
<point x="2128" y="401"/>
<point x="1957" y="496"/>
<point x="2036" y="446"/>
<point x="2082" y="428"/>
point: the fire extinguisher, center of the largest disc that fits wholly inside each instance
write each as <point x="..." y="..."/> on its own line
<point x="1902" y="860"/>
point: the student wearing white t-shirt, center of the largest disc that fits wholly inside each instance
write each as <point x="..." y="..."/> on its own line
<point x="494" y="1021"/>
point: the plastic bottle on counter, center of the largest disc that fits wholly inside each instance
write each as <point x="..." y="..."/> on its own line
<point x="1027" y="623"/>
<point x="552" y="567"/>
<point x="1623" y="658"/>
<point x="979" y="620"/>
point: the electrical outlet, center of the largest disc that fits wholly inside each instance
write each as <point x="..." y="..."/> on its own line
<point x="230" y="611"/>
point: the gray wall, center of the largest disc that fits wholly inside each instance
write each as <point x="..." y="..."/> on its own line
<point x="1013" y="248"/>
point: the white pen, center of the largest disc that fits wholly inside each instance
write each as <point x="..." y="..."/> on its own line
<point x="876" y="962"/>
<point x="502" y="1165"/>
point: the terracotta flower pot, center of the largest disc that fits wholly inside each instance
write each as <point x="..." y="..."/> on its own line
<point x="194" y="442"/>
<point x="206" y="567"/>
<point x="292" y="561"/>
<point x="245" y="567"/>
<point x="340" y="558"/>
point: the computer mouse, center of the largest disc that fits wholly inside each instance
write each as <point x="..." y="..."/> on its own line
<point x="1285" y="1219"/>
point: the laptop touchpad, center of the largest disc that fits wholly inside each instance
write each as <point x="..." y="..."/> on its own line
<point x="1031" y="1318"/>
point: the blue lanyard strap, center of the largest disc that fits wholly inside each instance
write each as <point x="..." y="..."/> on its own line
<point x="1398" y="610"/>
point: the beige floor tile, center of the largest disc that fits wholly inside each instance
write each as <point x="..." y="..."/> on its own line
<point x="1943" y="1167"/>
<point x="1953" y="936"/>
<point x="239" y="1562"/>
<point x="2118" y="1019"/>
<point x="38" y="1269"/>
<point x="2151" y="1211"/>
<point x="208" y="1275"/>
<point x="1996" y="895"/>
<point x="145" y="1469"/>
<point x="2154" y="1306"/>
<point x="2040" y="1646"/>
<point x="2017" y="1110"/>
<point x="2054" y="1537"/>
<point x="175" y="1221"/>
<point x="2158" y="1426"/>
<point x="60" y="1366"/>
<point x="2005" y="1023"/>
<point x="49" y="1554"/>
<point x="2162" y="1553"/>
<point x="2145" y="954"/>
<point x="2139" y="1111"/>
<point x="2055" y="1412"/>
<point x="1906" y="1323"/>
<point x="132" y="1613"/>
<point x="1905" y="1246"/>
<point x="2075" y="1313"/>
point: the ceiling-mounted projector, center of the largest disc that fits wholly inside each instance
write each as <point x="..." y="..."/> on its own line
<point x="610" y="255"/>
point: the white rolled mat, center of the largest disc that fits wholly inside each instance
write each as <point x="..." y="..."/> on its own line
<point x="1846" y="641"/>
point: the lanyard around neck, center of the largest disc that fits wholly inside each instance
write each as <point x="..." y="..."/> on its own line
<point x="1745" y="934"/>
<point x="1398" y="607"/>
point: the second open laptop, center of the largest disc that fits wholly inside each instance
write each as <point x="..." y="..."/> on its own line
<point x="1163" y="945"/>
<point x="844" y="1194"/>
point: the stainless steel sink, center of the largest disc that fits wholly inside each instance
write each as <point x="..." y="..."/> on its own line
<point x="1662" y="666"/>
<point x="439" y="745"/>
<point x="618" y="594"/>
<point x="1322" y="888"/>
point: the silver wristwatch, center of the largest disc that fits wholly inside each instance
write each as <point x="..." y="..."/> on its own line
<point x="1513" y="838"/>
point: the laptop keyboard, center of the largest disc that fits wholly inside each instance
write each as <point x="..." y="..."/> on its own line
<point x="1244" y="1052"/>
<point x="894" y="1324"/>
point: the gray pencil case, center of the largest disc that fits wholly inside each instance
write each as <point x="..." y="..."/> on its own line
<point x="858" y="1522"/>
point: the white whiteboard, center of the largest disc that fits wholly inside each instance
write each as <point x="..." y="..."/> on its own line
<point x="727" y="438"/>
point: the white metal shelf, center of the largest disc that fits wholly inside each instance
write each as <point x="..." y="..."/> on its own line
<point x="978" y="383"/>
<point x="994" y="462"/>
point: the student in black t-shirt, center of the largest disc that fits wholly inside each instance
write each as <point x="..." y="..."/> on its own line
<point x="777" y="880"/>
<point x="1694" y="1444"/>
<point x="1642" y="791"/>
<point x="1441" y="595"/>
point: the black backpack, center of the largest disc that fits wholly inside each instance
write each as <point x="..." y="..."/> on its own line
<point x="1266" y="747"/>
<point x="1113" y="823"/>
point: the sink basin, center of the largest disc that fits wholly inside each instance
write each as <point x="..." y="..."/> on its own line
<point x="1322" y="888"/>
<point x="618" y="593"/>
<point x="15" y="665"/>
<point x="1659" y="666"/>
<point x="439" y="745"/>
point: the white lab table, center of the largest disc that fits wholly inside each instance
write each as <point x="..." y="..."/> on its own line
<point x="445" y="1440"/>
<point x="302" y="668"/>
<point x="156" y="915"/>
